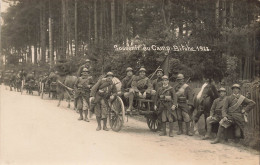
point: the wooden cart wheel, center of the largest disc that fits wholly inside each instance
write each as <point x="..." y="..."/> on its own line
<point x="117" y="114"/>
<point x="153" y="122"/>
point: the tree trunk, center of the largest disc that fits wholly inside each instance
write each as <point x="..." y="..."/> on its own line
<point x="63" y="35"/>
<point x="124" y="21"/>
<point x="43" y="31"/>
<point x="95" y="22"/>
<point x="76" y="28"/>
<point x="113" y="20"/>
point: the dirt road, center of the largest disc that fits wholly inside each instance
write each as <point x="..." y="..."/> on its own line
<point x="36" y="131"/>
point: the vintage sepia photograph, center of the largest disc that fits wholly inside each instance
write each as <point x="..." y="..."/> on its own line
<point x="129" y="82"/>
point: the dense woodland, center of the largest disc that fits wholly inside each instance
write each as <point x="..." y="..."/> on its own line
<point x="39" y="33"/>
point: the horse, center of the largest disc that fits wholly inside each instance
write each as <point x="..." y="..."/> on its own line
<point x="65" y="87"/>
<point x="203" y="102"/>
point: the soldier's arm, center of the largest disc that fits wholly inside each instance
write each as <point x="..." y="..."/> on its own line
<point x="123" y="87"/>
<point x="213" y="107"/>
<point x="134" y="85"/>
<point x="95" y="88"/>
<point x="174" y="97"/>
<point x="150" y="85"/>
<point x="156" y="97"/>
<point x="250" y="104"/>
<point x="225" y="107"/>
<point x="189" y="95"/>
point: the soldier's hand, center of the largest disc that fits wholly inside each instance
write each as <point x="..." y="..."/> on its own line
<point x="190" y="107"/>
<point x="144" y="95"/>
<point x="225" y="119"/>
<point x="210" y="117"/>
<point x="91" y="99"/>
<point x="173" y="107"/>
<point x="243" y="111"/>
<point x="112" y="97"/>
<point x="140" y="94"/>
<point x="155" y="107"/>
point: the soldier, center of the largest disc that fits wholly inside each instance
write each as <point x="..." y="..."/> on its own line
<point x="82" y="93"/>
<point x="127" y="81"/>
<point x="215" y="112"/>
<point x="141" y="87"/>
<point x="166" y="101"/>
<point x="158" y="81"/>
<point x="85" y="65"/>
<point x="185" y="104"/>
<point x="102" y="92"/>
<point x="234" y="112"/>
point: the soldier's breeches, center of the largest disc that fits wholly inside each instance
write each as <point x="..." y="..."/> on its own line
<point x="182" y="115"/>
<point x="212" y="120"/>
<point x="101" y="109"/>
<point x="82" y="103"/>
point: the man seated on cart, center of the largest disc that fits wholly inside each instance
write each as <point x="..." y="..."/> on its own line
<point x="166" y="102"/>
<point x="158" y="81"/>
<point x="103" y="92"/>
<point x="82" y="93"/>
<point x="141" y="87"/>
<point x="127" y="81"/>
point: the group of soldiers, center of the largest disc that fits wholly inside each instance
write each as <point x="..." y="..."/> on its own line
<point x="172" y="103"/>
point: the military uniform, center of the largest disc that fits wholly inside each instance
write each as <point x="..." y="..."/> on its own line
<point x="184" y="95"/>
<point x="166" y="98"/>
<point x="158" y="81"/>
<point x="101" y="92"/>
<point x="82" y="94"/>
<point x="185" y="102"/>
<point x="233" y="112"/>
<point x="215" y="113"/>
<point x="82" y="67"/>
<point x="127" y="82"/>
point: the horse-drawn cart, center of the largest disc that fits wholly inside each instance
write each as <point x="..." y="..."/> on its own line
<point x="117" y="114"/>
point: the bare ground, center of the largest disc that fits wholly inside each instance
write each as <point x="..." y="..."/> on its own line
<point x="35" y="131"/>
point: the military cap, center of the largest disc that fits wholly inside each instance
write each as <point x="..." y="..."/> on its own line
<point x="180" y="77"/>
<point x="142" y="69"/>
<point x="109" y="74"/>
<point x="159" y="70"/>
<point x="87" y="60"/>
<point x="165" y="77"/>
<point x="129" y="69"/>
<point x="85" y="70"/>
<point x="222" y="89"/>
<point x="235" y="86"/>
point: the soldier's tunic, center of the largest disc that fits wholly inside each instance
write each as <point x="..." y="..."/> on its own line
<point x="164" y="104"/>
<point x="126" y="83"/>
<point x="216" y="110"/>
<point x="157" y="83"/>
<point x="232" y="109"/>
<point x="184" y="99"/>
<point x="142" y="85"/>
<point x="102" y="91"/>
<point x="81" y="68"/>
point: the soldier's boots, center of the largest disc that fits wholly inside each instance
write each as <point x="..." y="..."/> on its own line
<point x="105" y="124"/>
<point x="99" y="123"/>
<point x="207" y="136"/>
<point x="219" y="134"/>
<point x="163" y="133"/>
<point x="86" y="116"/>
<point x="81" y="115"/>
<point x="188" y="129"/>
<point x="180" y="128"/>
<point x="171" y="129"/>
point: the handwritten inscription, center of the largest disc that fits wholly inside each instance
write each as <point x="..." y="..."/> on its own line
<point x="175" y="48"/>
